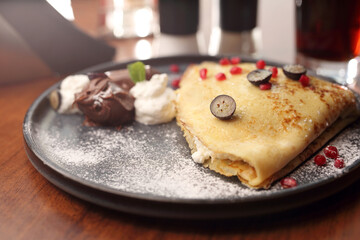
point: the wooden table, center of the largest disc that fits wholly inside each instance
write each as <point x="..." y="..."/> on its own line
<point x="33" y="208"/>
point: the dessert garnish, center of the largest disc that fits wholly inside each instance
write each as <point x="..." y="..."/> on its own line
<point x="223" y="107"/>
<point x="304" y="80"/>
<point x="260" y="64"/>
<point x="288" y="182"/>
<point x="176" y="83"/>
<point x="220" y="76"/>
<point x="105" y="99"/>
<point x="320" y="160"/>
<point x="339" y="162"/>
<point x="137" y="71"/>
<point x="174" y="68"/>
<point x="224" y="61"/>
<point x="235" y="60"/>
<point x="105" y="103"/>
<point x="122" y="76"/>
<point x="274" y="71"/>
<point x="154" y="101"/>
<point x="265" y="86"/>
<point x="331" y="152"/>
<point x="203" y="73"/>
<point x="294" y="71"/>
<point x="62" y="99"/>
<point x="259" y="76"/>
<point x="55" y="99"/>
<point x="235" y="70"/>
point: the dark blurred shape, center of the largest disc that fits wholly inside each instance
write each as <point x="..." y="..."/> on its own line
<point x="328" y="30"/>
<point x="179" y="17"/>
<point x="238" y="15"/>
<point x="237" y="20"/>
<point x="17" y="61"/>
<point x="48" y="38"/>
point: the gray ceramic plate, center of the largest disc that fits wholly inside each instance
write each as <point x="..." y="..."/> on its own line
<point x="148" y="170"/>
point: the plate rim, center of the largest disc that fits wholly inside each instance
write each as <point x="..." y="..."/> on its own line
<point x="283" y="193"/>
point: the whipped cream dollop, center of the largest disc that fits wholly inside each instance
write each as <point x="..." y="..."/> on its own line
<point x="68" y="88"/>
<point x="154" y="101"/>
<point x="202" y="153"/>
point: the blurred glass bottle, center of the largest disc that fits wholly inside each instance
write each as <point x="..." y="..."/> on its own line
<point x="127" y="18"/>
<point x="179" y="22"/>
<point x="234" y="33"/>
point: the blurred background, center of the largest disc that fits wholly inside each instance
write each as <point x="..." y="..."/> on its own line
<point x="64" y="36"/>
<point x="273" y="37"/>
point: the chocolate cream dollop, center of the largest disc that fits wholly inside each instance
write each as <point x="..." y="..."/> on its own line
<point x="106" y="102"/>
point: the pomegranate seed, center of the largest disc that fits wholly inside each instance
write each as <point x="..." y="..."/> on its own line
<point x="274" y="71"/>
<point x="176" y="82"/>
<point x="265" y="86"/>
<point x="224" y="61"/>
<point x="235" y="60"/>
<point x="288" y="182"/>
<point x="220" y="76"/>
<point x="331" y="152"/>
<point x="320" y="160"/>
<point x="174" y="68"/>
<point x="235" y="70"/>
<point x="339" y="162"/>
<point x="203" y="73"/>
<point x="260" y="64"/>
<point x="304" y="80"/>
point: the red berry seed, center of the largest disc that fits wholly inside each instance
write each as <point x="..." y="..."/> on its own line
<point x="220" y="76"/>
<point x="224" y="61"/>
<point x="176" y="82"/>
<point x="235" y="70"/>
<point x="304" y="80"/>
<point x="331" y="152"/>
<point x="274" y="71"/>
<point x="288" y="182"/>
<point x="174" y="68"/>
<point x="265" y="86"/>
<point x="320" y="160"/>
<point x="235" y="60"/>
<point x="339" y="162"/>
<point x="260" y="64"/>
<point x="203" y="73"/>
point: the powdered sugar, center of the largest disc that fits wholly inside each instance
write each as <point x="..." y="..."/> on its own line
<point x="348" y="144"/>
<point x="141" y="159"/>
<point x="156" y="160"/>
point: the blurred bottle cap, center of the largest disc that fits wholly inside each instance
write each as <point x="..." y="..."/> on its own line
<point x="179" y="17"/>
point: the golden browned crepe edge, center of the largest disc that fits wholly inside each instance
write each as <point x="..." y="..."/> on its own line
<point x="312" y="148"/>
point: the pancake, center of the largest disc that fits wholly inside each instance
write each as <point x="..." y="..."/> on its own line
<point x="271" y="132"/>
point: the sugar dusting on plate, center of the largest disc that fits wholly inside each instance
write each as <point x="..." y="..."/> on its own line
<point x="156" y="161"/>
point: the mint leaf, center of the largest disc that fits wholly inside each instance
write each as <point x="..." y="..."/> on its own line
<point x="137" y="71"/>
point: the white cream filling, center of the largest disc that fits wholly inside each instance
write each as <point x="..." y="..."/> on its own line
<point x="202" y="153"/>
